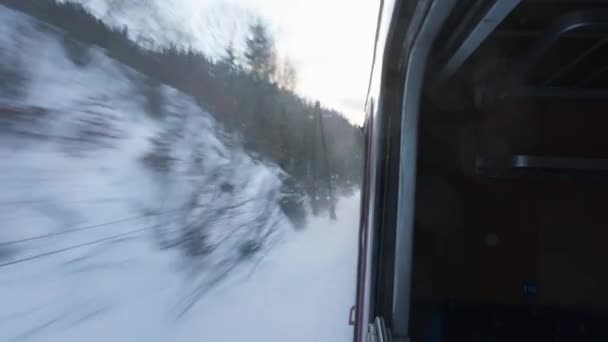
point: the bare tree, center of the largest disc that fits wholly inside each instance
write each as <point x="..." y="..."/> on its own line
<point x="223" y="25"/>
<point x="286" y="75"/>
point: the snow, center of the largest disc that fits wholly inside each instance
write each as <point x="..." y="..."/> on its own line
<point x="302" y="291"/>
<point x="91" y="215"/>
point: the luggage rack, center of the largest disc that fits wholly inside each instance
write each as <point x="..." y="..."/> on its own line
<point x="543" y="167"/>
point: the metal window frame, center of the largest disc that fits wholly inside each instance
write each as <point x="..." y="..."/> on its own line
<point x="416" y="61"/>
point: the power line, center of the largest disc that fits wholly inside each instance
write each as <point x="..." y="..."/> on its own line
<point x="97" y="225"/>
<point x="72" y="230"/>
<point x="86" y="243"/>
<point x="72" y="247"/>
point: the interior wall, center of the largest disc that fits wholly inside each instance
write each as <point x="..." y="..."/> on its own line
<point x="514" y="241"/>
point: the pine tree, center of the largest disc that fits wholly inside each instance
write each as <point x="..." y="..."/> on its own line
<point x="230" y="57"/>
<point x="260" y="52"/>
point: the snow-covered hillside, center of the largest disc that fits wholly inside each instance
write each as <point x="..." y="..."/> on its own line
<point x="127" y="214"/>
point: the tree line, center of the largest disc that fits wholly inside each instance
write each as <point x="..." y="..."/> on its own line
<point x="250" y="93"/>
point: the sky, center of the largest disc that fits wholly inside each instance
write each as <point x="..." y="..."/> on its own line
<point x="330" y="42"/>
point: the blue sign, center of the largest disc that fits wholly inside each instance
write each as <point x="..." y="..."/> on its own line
<point x="529" y="289"/>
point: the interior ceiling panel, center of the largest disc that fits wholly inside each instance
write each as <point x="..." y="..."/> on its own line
<point x="566" y="52"/>
<point x="551" y="48"/>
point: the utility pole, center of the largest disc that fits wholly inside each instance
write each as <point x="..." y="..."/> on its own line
<point x="319" y="127"/>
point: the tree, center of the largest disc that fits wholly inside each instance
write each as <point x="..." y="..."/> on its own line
<point x="230" y="59"/>
<point x="287" y="78"/>
<point x="255" y="100"/>
<point x="260" y="53"/>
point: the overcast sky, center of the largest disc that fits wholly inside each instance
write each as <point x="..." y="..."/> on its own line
<point x="329" y="41"/>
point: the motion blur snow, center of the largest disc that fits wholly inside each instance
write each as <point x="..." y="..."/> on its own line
<point x="93" y="199"/>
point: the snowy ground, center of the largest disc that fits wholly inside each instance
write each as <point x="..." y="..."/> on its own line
<point x="126" y="291"/>
<point x="83" y="219"/>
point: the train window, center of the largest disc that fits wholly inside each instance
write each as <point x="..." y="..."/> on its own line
<point x="181" y="170"/>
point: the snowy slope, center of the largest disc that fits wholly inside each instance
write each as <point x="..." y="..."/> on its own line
<point x="89" y="224"/>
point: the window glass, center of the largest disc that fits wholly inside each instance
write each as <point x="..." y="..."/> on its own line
<point x="181" y="170"/>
